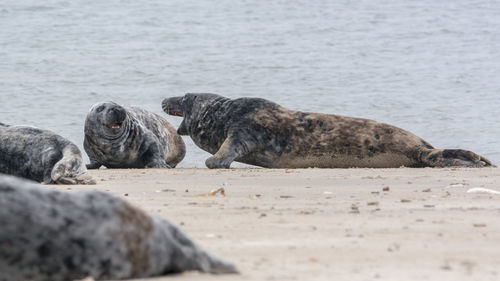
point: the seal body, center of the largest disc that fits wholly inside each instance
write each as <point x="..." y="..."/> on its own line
<point x="57" y="236"/>
<point x="262" y="133"/>
<point x="130" y="137"/>
<point x="41" y="155"/>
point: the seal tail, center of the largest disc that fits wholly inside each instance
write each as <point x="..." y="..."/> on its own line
<point x="453" y="158"/>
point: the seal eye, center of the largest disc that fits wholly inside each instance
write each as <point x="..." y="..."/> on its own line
<point x="100" y="108"/>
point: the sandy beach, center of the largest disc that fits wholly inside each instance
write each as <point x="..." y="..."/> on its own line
<point x="327" y="224"/>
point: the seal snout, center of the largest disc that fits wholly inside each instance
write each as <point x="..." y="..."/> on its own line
<point x="172" y="106"/>
<point x="115" y="117"/>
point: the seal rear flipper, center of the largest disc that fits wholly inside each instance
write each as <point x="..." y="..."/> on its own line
<point x="187" y="255"/>
<point x="454" y="158"/>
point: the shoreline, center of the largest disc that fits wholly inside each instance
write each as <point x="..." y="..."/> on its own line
<point x="313" y="224"/>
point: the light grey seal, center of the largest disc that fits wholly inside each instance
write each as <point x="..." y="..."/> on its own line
<point x="49" y="235"/>
<point x="130" y="137"/>
<point x="262" y="133"/>
<point x="41" y="155"/>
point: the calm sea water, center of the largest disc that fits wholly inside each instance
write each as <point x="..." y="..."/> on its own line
<point x="431" y="67"/>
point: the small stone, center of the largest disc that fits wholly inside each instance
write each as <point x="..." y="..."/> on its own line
<point x="386" y="188"/>
<point x="354" y="209"/>
<point x="479" y="225"/>
<point x="374" y="203"/>
<point x="405" y="201"/>
<point x="126" y="194"/>
<point x="426" y="190"/>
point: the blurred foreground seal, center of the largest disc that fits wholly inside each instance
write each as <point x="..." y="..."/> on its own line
<point x="48" y="235"/>
<point x="41" y="155"/>
<point x="259" y="132"/>
<point x="130" y="137"/>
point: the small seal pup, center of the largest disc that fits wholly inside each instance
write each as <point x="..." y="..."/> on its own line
<point x="130" y="137"/>
<point x="41" y="155"/>
<point x="49" y="235"/>
<point x="262" y="133"/>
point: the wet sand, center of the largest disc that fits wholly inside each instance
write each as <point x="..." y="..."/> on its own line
<point x="327" y="224"/>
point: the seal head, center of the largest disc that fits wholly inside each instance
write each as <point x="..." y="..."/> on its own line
<point x="107" y="119"/>
<point x="191" y="107"/>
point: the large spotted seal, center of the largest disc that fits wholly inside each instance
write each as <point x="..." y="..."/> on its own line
<point x="41" y="155"/>
<point x="259" y="132"/>
<point x="49" y="235"/>
<point x="130" y="137"/>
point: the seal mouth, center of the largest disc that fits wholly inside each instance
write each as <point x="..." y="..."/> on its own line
<point x="115" y="125"/>
<point x="175" y="113"/>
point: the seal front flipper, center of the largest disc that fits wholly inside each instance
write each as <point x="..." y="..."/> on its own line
<point x="232" y="148"/>
<point x="70" y="169"/>
<point x="153" y="156"/>
<point x="93" y="165"/>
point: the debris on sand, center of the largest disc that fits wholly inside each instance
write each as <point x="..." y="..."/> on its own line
<point x="386" y="188"/>
<point x="354" y="209"/>
<point x="482" y="190"/>
<point x="479" y="225"/>
<point x="212" y="193"/>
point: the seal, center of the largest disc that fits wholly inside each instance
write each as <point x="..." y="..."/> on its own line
<point x="41" y="155"/>
<point x="130" y="137"/>
<point x="58" y="236"/>
<point x="262" y="133"/>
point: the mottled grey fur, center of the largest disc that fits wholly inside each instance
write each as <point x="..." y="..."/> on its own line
<point x="259" y="132"/>
<point x="49" y="235"/>
<point x="130" y="137"/>
<point x="41" y="155"/>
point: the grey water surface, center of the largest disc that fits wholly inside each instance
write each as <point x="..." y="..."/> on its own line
<point x="431" y="67"/>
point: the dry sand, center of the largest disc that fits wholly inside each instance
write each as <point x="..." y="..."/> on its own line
<point x="328" y="224"/>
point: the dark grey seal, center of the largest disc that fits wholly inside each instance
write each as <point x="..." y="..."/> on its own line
<point x="262" y="133"/>
<point x="41" y="155"/>
<point x="48" y="235"/>
<point x="130" y="137"/>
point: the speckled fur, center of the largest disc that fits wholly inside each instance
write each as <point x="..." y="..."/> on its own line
<point x="259" y="132"/>
<point x="40" y="155"/>
<point x="48" y="235"/>
<point x="144" y="140"/>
